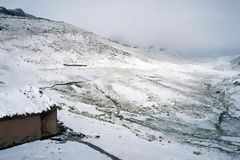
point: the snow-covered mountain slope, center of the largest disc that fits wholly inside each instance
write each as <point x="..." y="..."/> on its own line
<point x="137" y="107"/>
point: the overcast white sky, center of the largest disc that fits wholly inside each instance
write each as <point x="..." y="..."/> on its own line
<point x="200" y="27"/>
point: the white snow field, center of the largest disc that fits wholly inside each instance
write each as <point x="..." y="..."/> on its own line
<point x="126" y="103"/>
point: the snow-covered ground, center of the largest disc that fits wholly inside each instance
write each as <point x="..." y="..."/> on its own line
<point x="126" y="103"/>
<point x="40" y="150"/>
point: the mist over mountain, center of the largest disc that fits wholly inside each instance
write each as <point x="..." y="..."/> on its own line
<point x="190" y="27"/>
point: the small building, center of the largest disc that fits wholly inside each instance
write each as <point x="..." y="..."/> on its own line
<point x="26" y="115"/>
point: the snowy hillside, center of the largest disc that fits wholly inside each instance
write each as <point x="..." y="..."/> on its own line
<point x="125" y="103"/>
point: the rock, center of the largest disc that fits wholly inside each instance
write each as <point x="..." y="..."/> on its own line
<point x="218" y="92"/>
<point x="15" y="12"/>
<point x="40" y="91"/>
<point x="97" y="137"/>
<point x="18" y="12"/>
<point x="80" y="135"/>
<point x="3" y="10"/>
<point x="236" y="83"/>
<point x="197" y="153"/>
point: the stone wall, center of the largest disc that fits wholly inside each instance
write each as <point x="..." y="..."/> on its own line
<point x="19" y="130"/>
<point x="49" y="123"/>
<point x="22" y="129"/>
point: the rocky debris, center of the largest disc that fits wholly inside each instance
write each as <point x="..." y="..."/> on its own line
<point x="15" y="12"/>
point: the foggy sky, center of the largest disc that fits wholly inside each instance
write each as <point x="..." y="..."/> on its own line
<point x="197" y="27"/>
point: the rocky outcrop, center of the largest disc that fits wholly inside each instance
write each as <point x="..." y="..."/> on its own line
<point x="15" y="12"/>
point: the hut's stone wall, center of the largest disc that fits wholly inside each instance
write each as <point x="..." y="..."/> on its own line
<point x="22" y="129"/>
<point x="49" y="123"/>
<point x="19" y="130"/>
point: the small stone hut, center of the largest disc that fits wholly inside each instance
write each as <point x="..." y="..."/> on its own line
<point x="31" y="116"/>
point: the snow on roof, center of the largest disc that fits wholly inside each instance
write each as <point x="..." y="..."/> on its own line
<point x="29" y="100"/>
